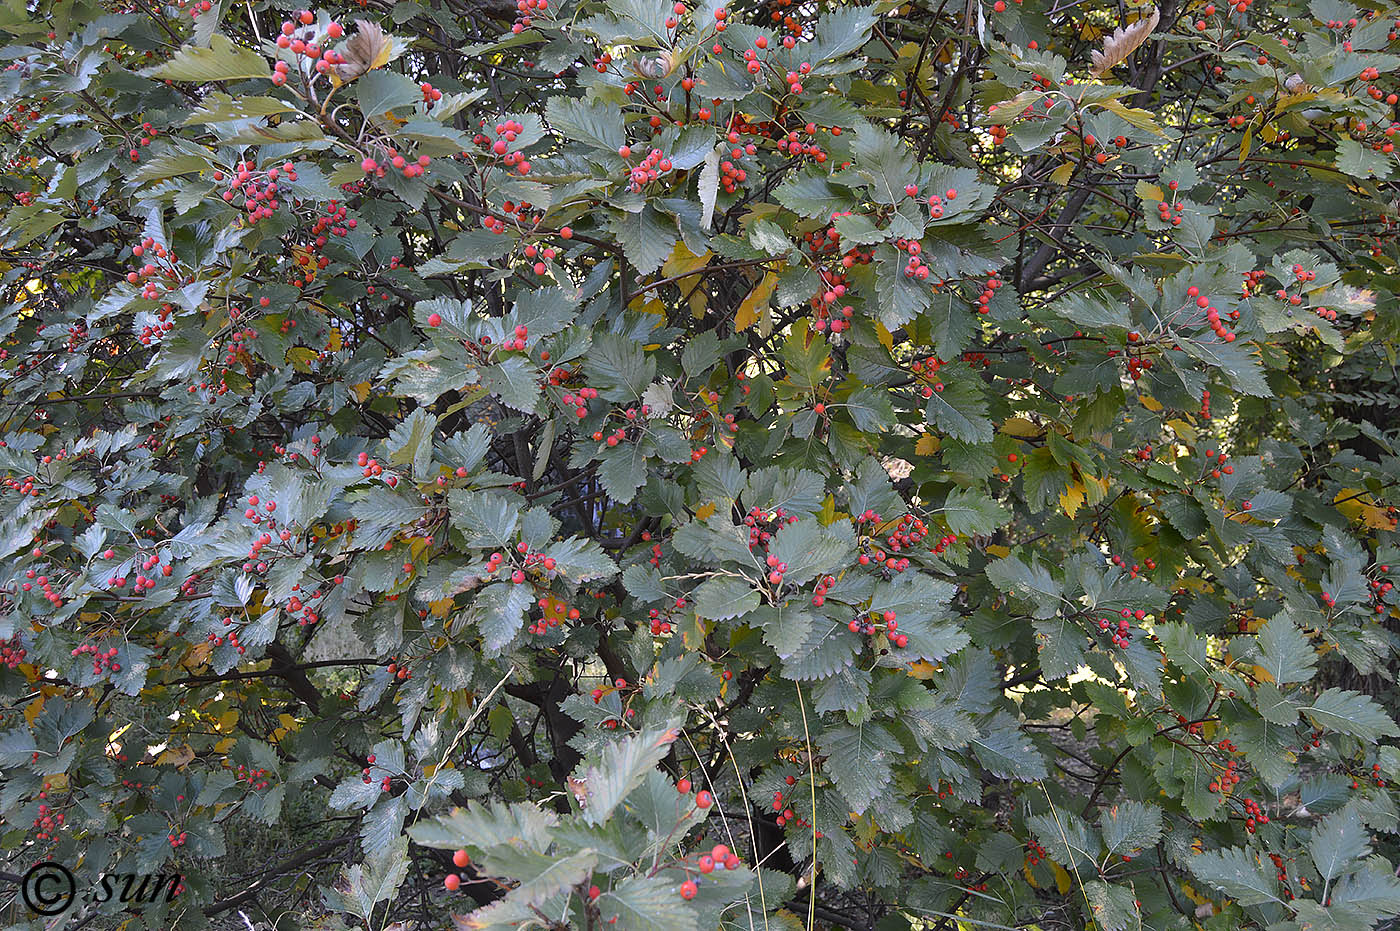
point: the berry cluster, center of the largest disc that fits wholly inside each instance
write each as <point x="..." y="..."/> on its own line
<point x="460" y="858"/>
<point x="48" y="821"/>
<point x="875" y="622"/>
<point x="719" y="858"/>
<point x="385" y="784"/>
<point x="517" y="575"/>
<point x="1120" y="633"/>
<point x="102" y="660"/>
<point x="658" y="626"/>
<point x="255" y="777"/>
<point x="164" y="267"/>
<point x="259" y="189"/>
<point x="652" y="166"/>
<point x="763" y="524"/>
<point x="218" y="640"/>
<point x="526" y="11"/>
<point x="870" y="551"/>
<point x="554" y="611"/>
<point x="578" y="400"/>
<point x="12" y="652"/>
<point x="150" y="132"/>
<point x="507" y="132"/>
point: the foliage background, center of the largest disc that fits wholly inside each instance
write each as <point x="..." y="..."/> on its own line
<point x="961" y="442"/>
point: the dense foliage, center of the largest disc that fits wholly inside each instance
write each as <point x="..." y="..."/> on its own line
<point x="613" y="463"/>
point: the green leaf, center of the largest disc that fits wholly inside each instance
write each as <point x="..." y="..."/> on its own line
<point x="220" y="108"/>
<point x="1033" y="583"/>
<point x="514" y="381"/>
<point x="620" y="767"/>
<point x="1286" y="653"/>
<point x="809" y="549"/>
<point x="860" y="759"/>
<point x="870" y="409"/>
<point x="1128" y="826"/>
<point x="900" y="298"/>
<point x="647" y="237"/>
<point x="808" y="359"/>
<point x="970" y="512"/>
<point x="623" y="470"/>
<point x="1061" y="643"/>
<point x="580" y="560"/>
<point x="381" y="90"/>
<point x="486" y="518"/>
<point x="1361" y="161"/>
<point x="725" y="597"/>
<point x="500" y="610"/>
<point x="221" y="61"/>
<point x="1066" y="837"/>
<point x="642" y="903"/>
<point x="1114" y="907"/>
<point x="811" y="196"/>
<point x="1234" y="359"/>
<point x="539" y="876"/>
<point x="1352" y="713"/>
<point x="618" y="367"/>
<point x="412" y="442"/>
<point x="960" y="410"/>
<point x="1007" y="752"/>
<point x="1337" y="842"/>
<point x="589" y="121"/>
<point x="1236" y="872"/>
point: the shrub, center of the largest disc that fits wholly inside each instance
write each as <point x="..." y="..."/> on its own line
<point x="653" y="466"/>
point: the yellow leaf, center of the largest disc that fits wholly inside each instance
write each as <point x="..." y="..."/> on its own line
<point x="1062" y="882"/>
<point x="226" y="721"/>
<point x="441" y="607"/>
<point x="758" y="299"/>
<point x="301" y="357"/>
<point x="31" y="710"/>
<point x="885" y="337"/>
<point x="179" y="758"/>
<point x="682" y="261"/>
<point x="1030" y="878"/>
<point x="1095" y="489"/>
<point x="927" y="445"/>
<point x="704" y="511"/>
<point x="1151" y="403"/>
<point x="923" y="669"/>
<point x="1142" y="119"/>
<point x="1183" y="430"/>
<point x="699" y="302"/>
<point x="335" y="341"/>
<point x="224" y="746"/>
<point x="996" y="549"/>
<point x="1148" y="192"/>
<point x="865" y="829"/>
<point x="1020" y="426"/>
<point x="287" y="721"/>
<point x="1061" y="175"/>
<point x="361" y="391"/>
<point x="1352" y="503"/>
<point x="1071" y="499"/>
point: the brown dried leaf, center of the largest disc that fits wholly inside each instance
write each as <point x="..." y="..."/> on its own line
<point x="1124" y="41"/>
<point x="367" y="49"/>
